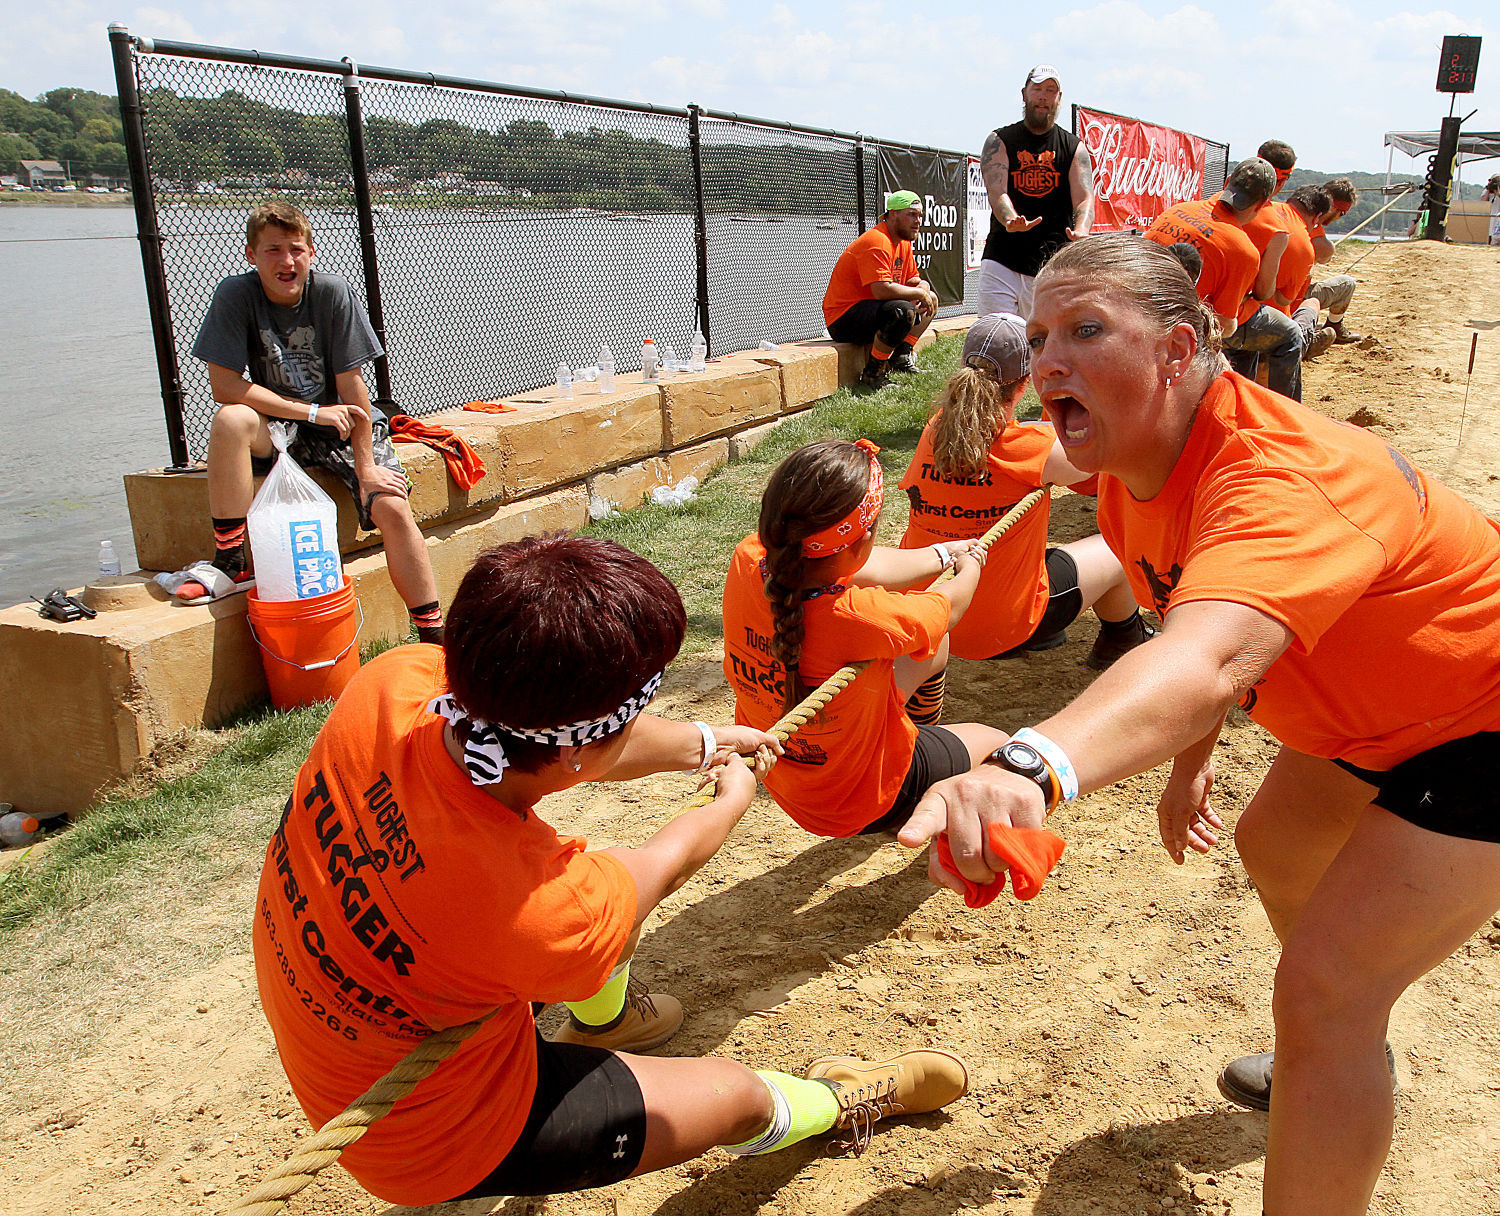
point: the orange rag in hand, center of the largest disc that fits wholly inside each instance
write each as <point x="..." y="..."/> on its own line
<point x="1028" y="853"/>
<point x="465" y="465"/>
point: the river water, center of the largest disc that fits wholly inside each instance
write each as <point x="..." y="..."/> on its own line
<point x="80" y="405"/>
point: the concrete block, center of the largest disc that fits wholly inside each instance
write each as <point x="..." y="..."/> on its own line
<point x="629" y="486"/>
<point x="852" y="360"/>
<point x="552" y="442"/>
<point x="133" y="677"/>
<point x="697" y="461"/>
<point x="735" y="392"/>
<point x="952" y="325"/>
<point x="742" y="443"/>
<point x="809" y="372"/>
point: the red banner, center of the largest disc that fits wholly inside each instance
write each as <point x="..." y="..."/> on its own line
<point x="1139" y="170"/>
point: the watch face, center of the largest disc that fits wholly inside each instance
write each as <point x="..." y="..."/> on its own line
<point x="1023" y="759"/>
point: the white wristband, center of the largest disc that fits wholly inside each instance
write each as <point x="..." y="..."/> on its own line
<point x="710" y="745"/>
<point x="945" y="555"/>
<point x="312" y="412"/>
<point x="1056" y="759"/>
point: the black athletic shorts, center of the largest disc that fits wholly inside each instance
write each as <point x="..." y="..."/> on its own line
<point x="861" y="322"/>
<point x="939" y="754"/>
<point x="1448" y="789"/>
<point x="1064" y="603"/>
<point x="586" y="1128"/>
<point x="319" y="447"/>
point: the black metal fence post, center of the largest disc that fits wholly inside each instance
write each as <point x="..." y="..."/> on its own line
<point x="700" y="222"/>
<point x="366" y="219"/>
<point x="859" y="180"/>
<point x="158" y="299"/>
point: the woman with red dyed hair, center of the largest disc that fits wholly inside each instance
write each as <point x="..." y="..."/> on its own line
<point x="411" y="886"/>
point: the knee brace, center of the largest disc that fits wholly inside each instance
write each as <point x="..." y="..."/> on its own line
<point x="894" y="320"/>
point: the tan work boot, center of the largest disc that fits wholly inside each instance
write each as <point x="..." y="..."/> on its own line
<point x="648" y="1020"/>
<point x="911" y="1083"/>
<point x="1321" y="340"/>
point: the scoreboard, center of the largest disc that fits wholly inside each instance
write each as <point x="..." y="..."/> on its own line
<point x="1459" y="65"/>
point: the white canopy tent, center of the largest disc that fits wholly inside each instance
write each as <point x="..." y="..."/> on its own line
<point x="1474" y="146"/>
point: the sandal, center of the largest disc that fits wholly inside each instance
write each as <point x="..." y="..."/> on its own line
<point x="205" y="582"/>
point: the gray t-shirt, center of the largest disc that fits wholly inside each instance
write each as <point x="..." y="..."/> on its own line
<point x="294" y="351"/>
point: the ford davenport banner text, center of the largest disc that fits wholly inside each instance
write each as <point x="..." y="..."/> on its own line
<point x="1139" y="169"/>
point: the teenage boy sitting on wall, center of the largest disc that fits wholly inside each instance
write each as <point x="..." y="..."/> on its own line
<point x="303" y="338"/>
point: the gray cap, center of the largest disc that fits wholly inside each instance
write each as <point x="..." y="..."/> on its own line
<point x="1250" y="182"/>
<point x="999" y="340"/>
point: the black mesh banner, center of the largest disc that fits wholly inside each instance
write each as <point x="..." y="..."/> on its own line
<point x="941" y="179"/>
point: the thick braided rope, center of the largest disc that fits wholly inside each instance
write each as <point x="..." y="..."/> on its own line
<point x="326" y="1145"/>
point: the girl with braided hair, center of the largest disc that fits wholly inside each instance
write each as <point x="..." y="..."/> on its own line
<point x="810" y="592"/>
<point x="973" y="463"/>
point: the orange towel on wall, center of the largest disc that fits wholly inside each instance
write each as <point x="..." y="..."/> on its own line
<point x="464" y="464"/>
<point x="1029" y="853"/>
<point x="489" y="407"/>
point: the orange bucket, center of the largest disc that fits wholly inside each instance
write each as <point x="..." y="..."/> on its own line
<point x="307" y="646"/>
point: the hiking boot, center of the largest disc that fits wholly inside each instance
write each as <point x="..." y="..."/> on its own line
<point x="1112" y="643"/>
<point x="1341" y="336"/>
<point x="1247" y="1081"/>
<point x="911" y="1083"/>
<point x="1320" y="341"/>
<point x="876" y="375"/>
<point x="648" y="1020"/>
<point x="903" y="361"/>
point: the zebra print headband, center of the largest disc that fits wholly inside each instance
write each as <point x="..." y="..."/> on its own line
<point x="484" y="742"/>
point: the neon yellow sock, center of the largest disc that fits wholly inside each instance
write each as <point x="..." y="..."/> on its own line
<point x="801" y="1108"/>
<point x="605" y="1005"/>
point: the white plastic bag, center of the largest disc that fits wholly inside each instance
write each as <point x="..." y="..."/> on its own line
<point x="293" y="529"/>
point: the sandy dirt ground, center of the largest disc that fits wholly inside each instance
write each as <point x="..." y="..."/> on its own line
<point x="1094" y="1018"/>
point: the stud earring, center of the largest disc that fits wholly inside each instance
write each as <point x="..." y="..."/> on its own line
<point x="577" y="765"/>
<point x="1169" y="381"/>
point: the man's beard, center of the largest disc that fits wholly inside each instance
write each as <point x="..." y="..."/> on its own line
<point x="1038" y="118"/>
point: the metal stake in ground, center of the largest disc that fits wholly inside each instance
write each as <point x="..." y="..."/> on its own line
<point x="1473" y="346"/>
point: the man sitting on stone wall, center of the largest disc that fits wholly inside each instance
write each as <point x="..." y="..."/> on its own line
<point x="302" y="338"/>
<point x="876" y="297"/>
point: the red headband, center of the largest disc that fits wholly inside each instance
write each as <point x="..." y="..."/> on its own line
<point x="839" y="536"/>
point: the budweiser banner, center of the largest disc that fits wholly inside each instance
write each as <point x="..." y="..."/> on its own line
<point x="1139" y="169"/>
<point x="939" y="178"/>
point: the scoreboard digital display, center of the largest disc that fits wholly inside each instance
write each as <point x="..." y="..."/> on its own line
<point x="1459" y="65"/>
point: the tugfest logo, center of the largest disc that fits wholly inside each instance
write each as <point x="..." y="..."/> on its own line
<point x="1034" y="175"/>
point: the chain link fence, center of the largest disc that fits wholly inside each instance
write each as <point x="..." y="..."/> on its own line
<point x="491" y="233"/>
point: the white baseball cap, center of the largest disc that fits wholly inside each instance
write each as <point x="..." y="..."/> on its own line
<point x="1044" y="71"/>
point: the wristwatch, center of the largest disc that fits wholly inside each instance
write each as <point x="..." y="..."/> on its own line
<point x="1025" y="761"/>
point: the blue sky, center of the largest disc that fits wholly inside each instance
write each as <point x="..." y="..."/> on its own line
<point x="1329" y="77"/>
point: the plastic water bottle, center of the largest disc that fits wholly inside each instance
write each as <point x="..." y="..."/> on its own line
<point x="16" y="828"/>
<point x="109" y="560"/>
<point x="650" y="372"/>
<point x="698" y="355"/>
<point x="669" y="366"/>
<point x="606" y="370"/>
<point x="564" y="380"/>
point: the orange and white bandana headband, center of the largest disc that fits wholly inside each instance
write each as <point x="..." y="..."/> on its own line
<point x="848" y="531"/>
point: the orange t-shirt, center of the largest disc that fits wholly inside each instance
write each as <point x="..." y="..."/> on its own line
<point x="872" y="257"/>
<point x="398" y="899"/>
<point x="1012" y="592"/>
<point x="1230" y="262"/>
<point x="1297" y="262"/>
<point x="843" y="770"/>
<point x="1388" y="581"/>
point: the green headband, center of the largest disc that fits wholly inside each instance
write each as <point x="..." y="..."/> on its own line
<point x="900" y="200"/>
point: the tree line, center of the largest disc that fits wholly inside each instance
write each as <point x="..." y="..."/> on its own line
<point x="75" y="127"/>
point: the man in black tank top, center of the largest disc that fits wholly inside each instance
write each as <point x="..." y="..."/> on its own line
<point x="1041" y="187"/>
